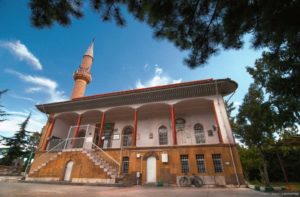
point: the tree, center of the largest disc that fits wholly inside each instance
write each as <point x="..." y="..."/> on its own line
<point x="255" y="125"/>
<point x="201" y="26"/>
<point x="2" y="112"/>
<point x="17" y="145"/>
<point x="32" y="143"/>
<point x="229" y="109"/>
<point x="278" y="72"/>
<point x="251" y="162"/>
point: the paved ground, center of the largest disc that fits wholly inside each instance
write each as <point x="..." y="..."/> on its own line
<point x="46" y="190"/>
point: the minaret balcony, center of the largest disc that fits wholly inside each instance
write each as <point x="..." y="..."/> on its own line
<point x="82" y="74"/>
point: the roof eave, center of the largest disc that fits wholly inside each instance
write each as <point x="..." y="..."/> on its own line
<point x="231" y="86"/>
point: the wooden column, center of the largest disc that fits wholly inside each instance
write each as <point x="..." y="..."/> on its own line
<point x="48" y="133"/>
<point x="76" y="130"/>
<point x="218" y="124"/>
<point x="172" y="109"/>
<point x="135" y="119"/>
<point x="101" y="129"/>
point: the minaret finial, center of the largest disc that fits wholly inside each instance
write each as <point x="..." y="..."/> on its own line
<point x="90" y="50"/>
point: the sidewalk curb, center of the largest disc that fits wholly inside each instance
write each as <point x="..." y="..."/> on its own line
<point x="265" y="189"/>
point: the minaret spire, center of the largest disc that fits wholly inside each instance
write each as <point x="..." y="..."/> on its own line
<point x="82" y="75"/>
<point x="90" y="50"/>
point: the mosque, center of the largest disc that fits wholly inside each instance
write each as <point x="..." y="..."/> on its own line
<point x="140" y="136"/>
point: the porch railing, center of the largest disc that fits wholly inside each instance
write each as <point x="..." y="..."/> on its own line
<point x="68" y="143"/>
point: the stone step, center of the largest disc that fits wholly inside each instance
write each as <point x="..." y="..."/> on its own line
<point x="102" y="163"/>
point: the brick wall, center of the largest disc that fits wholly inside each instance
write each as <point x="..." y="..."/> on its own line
<point x="166" y="172"/>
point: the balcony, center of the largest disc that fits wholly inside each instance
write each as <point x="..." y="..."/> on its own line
<point x="86" y="135"/>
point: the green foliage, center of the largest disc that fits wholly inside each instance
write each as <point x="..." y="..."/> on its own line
<point x="255" y="120"/>
<point x="251" y="161"/>
<point x="255" y="125"/>
<point x="2" y="112"/>
<point x="202" y="27"/>
<point x="290" y="158"/>
<point x="278" y="71"/>
<point x="17" y="144"/>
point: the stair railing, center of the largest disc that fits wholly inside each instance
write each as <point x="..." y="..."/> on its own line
<point x="43" y="155"/>
<point x="107" y="157"/>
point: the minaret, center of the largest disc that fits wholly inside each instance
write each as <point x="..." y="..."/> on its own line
<point x="82" y="75"/>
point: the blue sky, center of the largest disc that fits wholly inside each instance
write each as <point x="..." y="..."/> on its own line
<point x="37" y="64"/>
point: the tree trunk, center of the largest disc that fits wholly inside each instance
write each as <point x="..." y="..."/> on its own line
<point x="265" y="168"/>
<point x="266" y="174"/>
<point x="282" y="167"/>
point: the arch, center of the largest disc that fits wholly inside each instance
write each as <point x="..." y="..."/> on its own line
<point x="151" y="105"/>
<point x="163" y="135"/>
<point x="127" y="136"/>
<point x="154" y="110"/>
<point x="91" y="117"/>
<point x="192" y="101"/>
<point x="119" y="112"/>
<point x="199" y="133"/>
<point x="66" y="114"/>
<point x="118" y="109"/>
<point x="68" y="170"/>
<point x="88" y="111"/>
<point x="151" y="154"/>
<point x="63" y="123"/>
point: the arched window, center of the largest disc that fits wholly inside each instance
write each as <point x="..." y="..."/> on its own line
<point x="163" y="135"/>
<point x="180" y="124"/>
<point x="199" y="133"/>
<point x="127" y="136"/>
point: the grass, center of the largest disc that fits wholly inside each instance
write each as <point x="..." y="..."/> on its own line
<point x="294" y="186"/>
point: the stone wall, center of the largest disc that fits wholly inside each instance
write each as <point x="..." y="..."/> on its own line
<point x="83" y="167"/>
<point x="166" y="172"/>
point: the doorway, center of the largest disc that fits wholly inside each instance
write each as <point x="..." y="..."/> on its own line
<point x="151" y="170"/>
<point x="80" y="138"/>
<point x="68" y="171"/>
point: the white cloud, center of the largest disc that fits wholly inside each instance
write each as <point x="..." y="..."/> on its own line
<point x="21" y="51"/>
<point x="21" y="97"/>
<point x="41" y="84"/>
<point x="158" y="70"/>
<point x="11" y="125"/>
<point x="159" y="78"/>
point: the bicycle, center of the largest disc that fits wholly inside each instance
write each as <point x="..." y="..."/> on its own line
<point x="186" y="181"/>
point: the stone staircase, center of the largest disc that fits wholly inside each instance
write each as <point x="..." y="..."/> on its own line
<point x="102" y="163"/>
<point x="44" y="163"/>
<point x="97" y="160"/>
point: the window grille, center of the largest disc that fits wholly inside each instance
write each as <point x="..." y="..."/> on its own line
<point x="125" y="165"/>
<point x="199" y="133"/>
<point x="180" y="124"/>
<point x="127" y="136"/>
<point x="217" y="163"/>
<point x="163" y="135"/>
<point x="200" y="163"/>
<point x="184" y="159"/>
